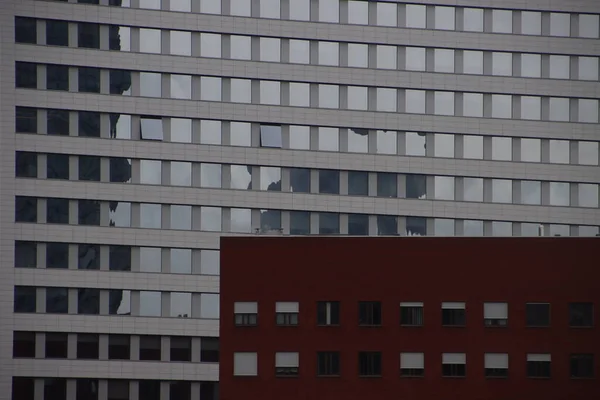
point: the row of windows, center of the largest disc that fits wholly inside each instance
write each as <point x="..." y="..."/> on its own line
<point x="92" y="301"/>
<point x="25" y="388"/>
<point x="116" y="258"/>
<point x="246" y="220"/>
<point x="94" y="346"/>
<point x="370" y="313"/>
<point x="302" y="137"/>
<point x="296" y="94"/>
<point x="328" y="363"/>
<point x="391" y="14"/>
<point x="356" y="55"/>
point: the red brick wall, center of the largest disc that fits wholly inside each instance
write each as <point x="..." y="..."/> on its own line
<point x="391" y="270"/>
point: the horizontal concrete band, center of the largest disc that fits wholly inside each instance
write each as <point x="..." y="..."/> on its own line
<point x="302" y="158"/>
<point x="304" y="116"/>
<point x="116" y="369"/>
<point x="583" y="6"/>
<point x="306" y="30"/>
<point x="116" y="324"/>
<point x="116" y="280"/>
<point x="307" y="73"/>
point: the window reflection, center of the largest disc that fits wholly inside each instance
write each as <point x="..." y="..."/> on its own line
<point x="210" y="175"/>
<point x="501" y="191"/>
<point x="150" y="216"/>
<point x="501" y="148"/>
<point x="299" y="94"/>
<point x="473" y="147"/>
<point x="57" y="211"/>
<point x="88" y="301"/>
<point x="559" y="151"/>
<point x="120" y="82"/>
<point x="209" y="305"/>
<point x="181" y="130"/>
<point x="386" y="57"/>
<point x="119" y="302"/>
<point x="299" y="223"/>
<point x="150" y="172"/>
<point x="386" y="142"/>
<point x="416" y="186"/>
<point x="150" y="40"/>
<point x="57" y="122"/>
<point x="358" y="183"/>
<point x="89" y="80"/>
<point x="25" y="209"/>
<point x="472" y="227"/>
<point x="299" y="137"/>
<point x="415" y="16"/>
<point x="210" y="219"/>
<point x="588" y="68"/>
<point x="443" y="60"/>
<point x="270" y="136"/>
<point x="415" y="59"/>
<point x="151" y="259"/>
<point x="89" y="212"/>
<point x="150" y="84"/>
<point x="588" y="153"/>
<point x="501" y="106"/>
<point x="559" y="109"/>
<point x="588" y="110"/>
<point x="501" y="21"/>
<point x="89" y="124"/>
<point x="270" y="179"/>
<point x="358" y="140"/>
<point x="26" y="164"/>
<point x="241" y="220"/>
<point x="473" y="19"/>
<point x="387" y="184"/>
<point x="329" y="11"/>
<point x="241" y="177"/>
<point x="25" y="75"/>
<point x="181" y="173"/>
<point x="180" y="42"/>
<point x="444" y="145"/>
<point x="501" y="64"/>
<point x="387" y="225"/>
<point x="300" y="10"/>
<point x="210" y="45"/>
<point x="299" y="51"/>
<point x="473" y="189"/>
<point x="443" y="227"/>
<point x="57" y="300"/>
<point x="416" y="226"/>
<point x="473" y="104"/>
<point x="181" y="86"/>
<point x="531" y="23"/>
<point x="358" y="224"/>
<point x="26" y="120"/>
<point x="89" y="168"/>
<point x="531" y="150"/>
<point x="329" y="96"/>
<point x="270" y="220"/>
<point x="559" y="67"/>
<point x="357" y="98"/>
<point x="588" y="25"/>
<point x="240" y="134"/>
<point x="181" y="305"/>
<point x="559" y="194"/>
<point x="181" y="217"/>
<point x="501" y="228"/>
<point x="415" y="101"/>
<point x="531" y="107"/>
<point x="57" y="255"/>
<point x="150" y="304"/>
<point x="119" y="214"/>
<point x="415" y="143"/>
<point x="588" y="195"/>
<point x="358" y="55"/>
<point x="88" y="35"/>
<point x="531" y="192"/>
<point x="386" y="99"/>
<point x="25" y="254"/>
<point x="329" y="181"/>
<point x="358" y="12"/>
<point x="329" y="223"/>
<point x="209" y="262"/>
<point x="300" y="180"/>
<point x="57" y="77"/>
<point x="119" y="258"/>
<point x="531" y="65"/>
<point x="24" y="299"/>
<point x="240" y="47"/>
<point x="444" y="187"/>
<point x="328" y="53"/>
<point x="329" y="139"/>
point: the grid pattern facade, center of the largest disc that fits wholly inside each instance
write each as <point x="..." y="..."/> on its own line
<point x="135" y="133"/>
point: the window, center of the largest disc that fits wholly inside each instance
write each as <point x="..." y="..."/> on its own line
<point x="57" y="300"/>
<point x="329" y="181"/>
<point x="270" y="136"/>
<point x="181" y="348"/>
<point x="58" y="123"/>
<point x="411" y="314"/>
<point x="453" y="314"/>
<point x="582" y="365"/>
<point x="23" y="388"/>
<point x="581" y="315"/>
<point x="57" y="77"/>
<point x="358" y="183"/>
<point x="25" y="30"/>
<point x="245" y="313"/>
<point x="369" y="363"/>
<point x="23" y="344"/>
<point x="328" y="363"/>
<point x="286" y="313"/>
<point x="412" y="364"/>
<point x="25" y="299"/>
<point x="150" y="348"/>
<point x="119" y="258"/>
<point x="25" y="209"/>
<point x="25" y="254"/>
<point x="118" y="347"/>
<point x="415" y="16"/>
<point x="26" y="164"/>
<point x="537" y="314"/>
<point x="88" y="35"/>
<point x="300" y="180"/>
<point x="328" y="313"/>
<point x="454" y="364"/>
<point x="89" y="124"/>
<point x="209" y="349"/>
<point x="416" y="186"/>
<point x="245" y="364"/>
<point x="86" y="389"/>
<point x="25" y="75"/>
<point x="538" y="365"/>
<point x="57" y="255"/>
<point x="496" y="365"/>
<point x="286" y="364"/>
<point x="56" y="345"/>
<point x="369" y="313"/>
<point x="387" y="184"/>
<point x="495" y="314"/>
<point x="87" y="346"/>
<point x="26" y="120"/>
<point x="473" y="19"/>
<point x="88" y="301"/>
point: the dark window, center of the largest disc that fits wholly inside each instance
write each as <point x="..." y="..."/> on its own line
<point x="411" y="315"/>
<point x="118" y="389"/>
<point x="180" y="390"/>
<point x="115" y="301"/>
<point x="328" y="313"/>
<point x="387" y="184"/>
<point x="56" y="346"/>
<point x="358" y="224"/>
<point x="26" y="120"/>
<point x="150" y="348"/>
<point x="26" y="164"/>
<point x="89" y="80"/>
<point x="25" y="30"/>
<point x="416" y="226"/>
<point x="120" y="81"/>
<point x="88" y="301"/>
<point x="496" y="372"/>
<point x="25" y="299"/>
<point x="88" y="1"/>
<point x="89" y="123"/>
<point x="299" y="223"/>
<point x="387" y="225"/>
<point x="23" y="388"/>
<point x="538" y="369"/>
<point x="581" y="315"/>
<point x="209" y="390"/>
<point x="329" y="223"/>
<point x="118" y="347"/>
<point x="57" y="33"/>
<point x="88" y="346"/>
<point x="88" y="35"/>
<point x="55" y="388"/>
<point x="23" y="344"/>
<point x="358" y="183"/>
<point x="537" y="314"/>
<point x="120" y="170"/>
<point x="119" y="258"/>
<point x="25" y="209"/>
<point x="57" y="255"/>
<point x="415" y="186"/>
<point x="89" y="212"/>
<point x="25" y="254"/>
<point x="369" y="313"/>
<point x="57" y="77"/>
<point x="150" y="390"/>
<point x="58" y="122"/>
<point x="57" y="211"/>
<point x="87" y="389"/>
<point x="88" y="256"/>
<point x="582" y="366"/>
<point x="286" y="318"/>
<point x="25" y="75"/>
<point x="454" y="370"/>
<point x="300" y="180"/>
<point x="369" y="363"/>
<point x="453" y="316"/>
<point x="246" y="319"/>
<point x="89" y="168"/>
<point x="329" y="181"/>
<point x="209" y="349"/>
<point x="328" y="363"/>
<point x="181" y="348"/>
<point x="57" y="166"/>
<point x="57" y="300"/>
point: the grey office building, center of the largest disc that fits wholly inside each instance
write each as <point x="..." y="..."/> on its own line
<point x="135" y="133"/>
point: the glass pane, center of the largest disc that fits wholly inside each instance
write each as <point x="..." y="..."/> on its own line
<point x="57" y="211"/>
<point x="416" y="226"/>
<point x="270" y="9"/>
<point x="270" y="220"/>
<point x="560" y="24"/>
<point x="473" y="19"/>
<point x="150" y="172"/>
<point x="299" y="223"/>
<point x="443" y="227"/>
<point x="150" y="216"/>
<point x="501" y="191"/>
<point x="416" y="186"/>
<point x="299" y="94"/>
<point x="300" y="10"/>
<point x="415" y="143"/>
<point x="181" y="305"/>
<point x="181" y="217"/>
<point x="531" y="65"/>
<point x="209" y="262"/>
<point x="387" y="99"/>
<point x="150" y="304"/>
<point x="210" y="6"/>
<point x="150" y="259"/>
<point x="472" y="228"/>
<point x="300" y="180"/>
<point x="241" y="90"/>
<point x="387" y="14"/>
<point x="443" y="145"/>
<point x="531" y="107"/>
<point x="329" y="223"/>
<point x="210" y="175"/>
<point x="329" y="96"/>
<point x="387" y="184"/>
<point x="181" y="87"/>
<point x="387" y="57"/>
<point x="444" y="18"/>
<point x="588" y="153"/>
<point x="241" y="177"/>
<point x="329" y="181"/>
<point x="180" y="42"/>
<point x="387" y="225"/>
<point x="415" y="59"/>
<point x="150" y="40"/>
<point x="559" y="194"/>
<point x="473" y="147"/>
<point x="119" y="214"/>
<point x="559" y="151"/>
<point x="328" y="53"/>
<point x="415" y="16"/>
<point x="531" y="23"/>
<point x="357" y="98"/>
<point x="270" y="136"/>
<point x="209" y="305"/>
<point x="358" y="183"/>
<point x="329" y="11"/>
<point x="501" y="21"/>
<point x="358" y="224"/>
<point x="270" y="92"/>
<point x="240" y="47"/>
<point x="299" y="137"/>
<point x="473" y="189"/>
<point x="210" y="132"/>
<point x="443" y="60"/>
<point x="473" y="62"/>
<point x="358" y="12"/>
<point x="239" y="134"/>
<point x="150" y="84"/>
<point x="531" y="150"/>
<point x="329" y="139"/>
<point x="444" y="187"/>
<point x="500" y="228"/>
<point x="241" y="220"/>
<point x="358" y="141"/>
<point x="299" y="51"/>
<point x="210" y="88"/>
<point x="181" y="130"/>
<point x="588" y="25"/>
<point x="358" y="55"/>
<point x="588" y="111"/>
<point x="270" y="49"/>
<point x="473" y="104"/>
<point x="588" y="68"/>
<point x="588" y="195"/>
<point x="415" y="101"/>
<point x="502" y="64"/>
<point x="501" y="106"/>
<point x="559" y="109"/>
<point x="387" y="142"/>
<point x="531" y="192"/>
<point x="270" y="179"/>
<point x="210" y="219"/>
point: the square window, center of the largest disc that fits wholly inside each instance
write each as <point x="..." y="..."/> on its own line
<point x="328" y="313"/>
<point x="560" y="24"/>
<point x="369" y="362"/>
<point x="25" y="30"/>
<point x="472" y="62"/>
<point x="531" y="23"/>
<point x="286" y="364"/>
<point x="501" y="21"/>
<point x="329" y="223"/>
<point x="358" y="12"/>
<point x="329" y="181"/>
<point x="25" y="120"/>
<point x="538" y="365"/>
<point x="502" y="64"/>
<point x="537" y="314"/>
<point x="453" y="314"/>
<point x="496" y="365"/>
<point x="25" y="209"/>
<point x="416" y="16"/>
<point x="328" y="362"/>
<point x="582" y="366"/>
<point x="25" y="254"/>
<point x="57" y="211"/>
<point x="25" y="75"/>
<point x="559" y="67"/>
<point x="88" y="35"/>
<point x="473" y="20"/>
<point x="581" y="315"/>
<point x="415" y="58"/>
<point x="57" y="33"/>
<point x="454" y="364"/>
<point x="328" y="53"/>
<point x="369" y="313"/>
<point x="411" y="314"/>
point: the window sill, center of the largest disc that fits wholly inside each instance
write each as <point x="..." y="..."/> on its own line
<point x="329" y="376"/>
<point x="582" y="378"/>
<point x="286" y="376"/>
<point x="369" y="325"/>
<point x="411" y="326"/>
<point x="454" y="326"/>
<point x="328" y="325"/>
<point x="539" y="377"/>
<point x="412" y="376"/>
<point x="581" y="326"/>
<point x="369" y="376"/>
<point x="496" y="377"/>
<point x="286" y="325"/>
<point x="537" y="326"/>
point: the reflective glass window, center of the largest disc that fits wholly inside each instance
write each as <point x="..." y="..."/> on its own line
<point x="181" y="86"/>
<point x="181" y="173"/>
<point x="25" y="254"/>
<point x="241" y="90"/>
<point x="531" y="107"/>
<point x="89" y="80"/>
<point x="443" y="60"/>
<point x="151" y="128"/>
<point x="270" y="179"/>
<point x="299" y="94"/>
<point x="119" y="170"/>
<point x="119" y="302"/>
<point x="358" y="183"/>
<point x="473" y="62"/>
<point x="300" y="180"/>
<point x="89" y="124"/>
<point x="150" y="172"/>
<point x="181" y="130"/>
<point x="416" y="16"/>
<point x="559" y="194"/>
<point x="358" y="224"/>
<point x="329" y="11"/>
<point x="270" y="220"/>
<point x="559" y="151"/>
<point x="150" y="40"/>
<point x="57" y="33"/>
<point x="210" y="45"/>
<point x="559" y="67"/>
<point x="358" y="12"/>
<point x="444" y="103"/>
<point x="559" y="109"/>
<point x="209" y="262"/>
<point x="270" y="92"/>
<point x="151" y="259"/>
<point x="240" y="7"/>
<point x="239" y="134"/>
<point x="150" y="4"/>
<point x="329" y="181"/>
<point x="501" y="106"/>
<point x="444" y="187"/>
<point x="24" y="299"/>
<point x="531" y="192"/>
<point x="415" y="101"/>
<point x="472" y="228"/>
<point x="531" y="23"/>
<point x="210" y="88"/>
<point x="358" y="55"/>
<point x="181" y="304"/>
<point x="531" y="65"/>
<point x="588" y="195"/>
<point x="150" y="216"/>
<point x="57" y="166"/>
<point x="588" y="153"/>
<point x="473" y="104"/>
<point x="329" y="53"/>
<point x="358" y="140"/>
<point x="57" y="210"/>
<point x="588" y="25"/>
<point x="25" y="75"/>
<point x="387" y="184"/>
<point x="240" y="47"/>
<point x="57" y="300"/>
<point x="150" y="303"/>
<point x="119" y="214"/>
<point x="209" y="305"/>
<point x="57" y="255"/>
<point x="270" y="136"/>
<point x="501" y="191"/>
<point x="415" y="58"/>
<point x="387" y="225"/>
<point x="57" y="77"/>
<point x="416" y="226"/>
<point x="26" y="164"/>
<point x="210" y="219"/>
<point x="443" y="145"/>
<point x="88" y="301"/>
<point x="473" y="147"/>
<point x="387" y="14"/>
<point x="88" y="256"/>
<point x="473" y="19"/>
<point x="119" y="38"/>
<point x="560" y="24"/>
<point x="386" y="99"/>
<point x="501" y="228"/>
<point x="25" y="120"/>
<point x="120" y="82"/>
<point x="25" y="30"/>
<point x="119" y="258"/>
<point x="299" y="223"/>
<point x="88" y="35"/>
<point x="473" y="189"/>
<point x="89" y="168"/>
<point x="444" y="18"/>
<point x="501" y="64"/>
<point x="588" y="68"/>
<point x="443" y="227"/>
<point x="299" y="137"/>
<point x="89" y="212"/>
<point x="329" y="139"/>
<point x="588" y="110"/>
<point x="416" y="186"/>
<point x="241" y="220"/>
<point x="387" y="57"/>
<point x="210" y="6"/>
<point x="357" y="98"/>
<point x="501" y="21"/>
<point x="299" y="10"/>
<point x="387" y="142"/>
<point x="180" y="5"/>
<point x="270" y="9"/>
<point x="210" y="175"/>
<point x="329" y="96"/>
<point x="299" y="51"/>
<point x="531" y="150"/>
<point x="241" y="177"/>
<point x="415" y="143"/>
<point x="150" y="84"/>
<point x="180" y="42"/>
<point x="329" y="223"/>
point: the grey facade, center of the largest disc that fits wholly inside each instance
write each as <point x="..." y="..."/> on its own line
<point x="135" y="133"/>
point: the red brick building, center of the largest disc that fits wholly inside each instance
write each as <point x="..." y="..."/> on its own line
<point x="409" y="318"/>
